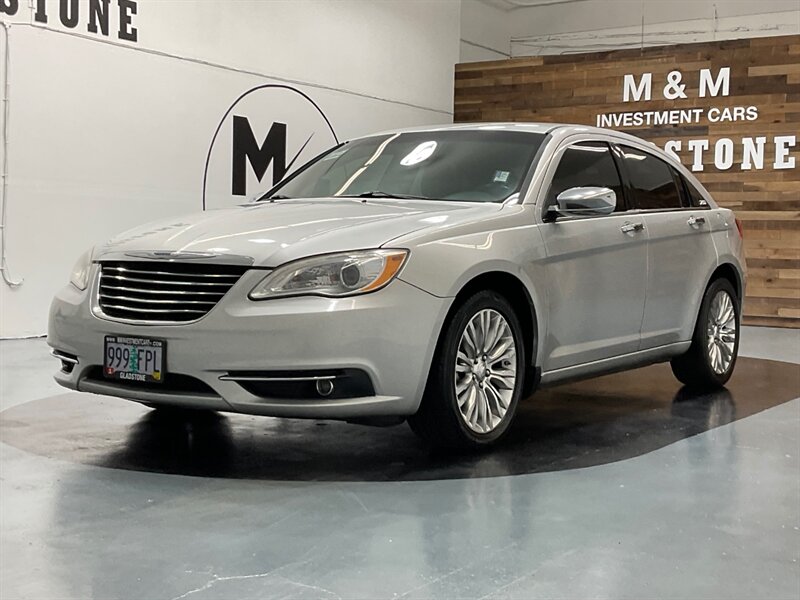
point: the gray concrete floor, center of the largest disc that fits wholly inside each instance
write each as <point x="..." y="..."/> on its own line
<point x="714" y="515"/>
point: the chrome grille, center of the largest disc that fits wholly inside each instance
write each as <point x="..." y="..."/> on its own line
<point x="163" y="291"/>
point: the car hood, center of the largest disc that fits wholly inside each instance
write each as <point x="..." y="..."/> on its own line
<point x="272" y="233"/>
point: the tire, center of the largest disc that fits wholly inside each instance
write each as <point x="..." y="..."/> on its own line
<point x="487" y="390"/>
<point x="710" y="360"/>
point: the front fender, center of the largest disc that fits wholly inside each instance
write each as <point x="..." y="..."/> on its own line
<point x="444" y="267"/>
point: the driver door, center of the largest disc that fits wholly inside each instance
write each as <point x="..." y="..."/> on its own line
<point x="596" y="266"/>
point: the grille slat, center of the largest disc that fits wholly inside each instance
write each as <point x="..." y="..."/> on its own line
<point x="138" y="291"/>
<point x="118" y="270"/>
<point x="165" y="282"/>
<point x="163" y="291"/>
<point x="157" y="310"/>
<point x="154" y="300"/>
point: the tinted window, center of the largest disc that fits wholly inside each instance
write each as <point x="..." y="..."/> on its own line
<point x="478" y="166"/>
<point x="683" y="192"/>
<point x="694" y="196"/>
<point x="651" y="178"/>
<point x="588" y="164"/>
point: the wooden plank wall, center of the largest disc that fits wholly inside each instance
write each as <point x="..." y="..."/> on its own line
<point x="764" y="72"/>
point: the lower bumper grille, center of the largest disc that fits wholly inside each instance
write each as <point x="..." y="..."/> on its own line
<point x="163" y="291"/>
<point x="329" y="384"/>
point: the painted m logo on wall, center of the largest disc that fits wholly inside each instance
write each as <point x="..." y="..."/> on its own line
<point x="267" y="131"/>
<point x="247" y="150"/>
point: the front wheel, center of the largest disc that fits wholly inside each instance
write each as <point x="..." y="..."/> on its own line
<point x="476" y="379"/>
<point x="709" y="361"/>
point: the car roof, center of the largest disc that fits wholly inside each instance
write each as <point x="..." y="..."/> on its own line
<point x="562" y="129"/>
<point x="528" y="127"/>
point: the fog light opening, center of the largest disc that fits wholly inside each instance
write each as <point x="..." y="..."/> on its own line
<point x="68" y="361"/>
<point x="324" y="387"/>
<point x="330" y="384"/>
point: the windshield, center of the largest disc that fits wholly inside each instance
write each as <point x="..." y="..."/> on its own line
<point x="466" y="165"/>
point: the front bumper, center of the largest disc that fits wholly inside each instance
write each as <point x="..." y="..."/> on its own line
<point x="390" y="335"/>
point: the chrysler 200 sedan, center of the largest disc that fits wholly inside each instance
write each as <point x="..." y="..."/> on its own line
<point x="434" y="275"/>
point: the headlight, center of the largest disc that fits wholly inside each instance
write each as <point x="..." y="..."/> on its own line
<point x="333" y="275"/>
<point x="81" y="270"/>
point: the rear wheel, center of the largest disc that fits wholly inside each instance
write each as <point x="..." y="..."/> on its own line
<point x="476" y="379"/>
<point x="710" y="360"/>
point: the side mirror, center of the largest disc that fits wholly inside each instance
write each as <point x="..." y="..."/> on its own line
<point x="584" y="202"/>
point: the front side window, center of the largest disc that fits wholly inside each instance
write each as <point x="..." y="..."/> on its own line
<point x="459" y="165"/>
<point x="651" y="178"/>
<point x="587" y="164"/>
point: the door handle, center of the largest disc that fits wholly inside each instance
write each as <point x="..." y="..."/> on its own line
<point x="629" y="227"/>
<point x="696" y="221"/>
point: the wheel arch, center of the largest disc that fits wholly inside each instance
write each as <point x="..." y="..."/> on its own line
<point x="727" y="271"/>
<point x="731" y="273"/>
<point x="514" y="290"/>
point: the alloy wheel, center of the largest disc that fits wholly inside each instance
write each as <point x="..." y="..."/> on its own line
<point x="485" y="371"/>
<point x="721" y="332"/>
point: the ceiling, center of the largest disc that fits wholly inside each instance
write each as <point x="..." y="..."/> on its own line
<point x="509" y="5"/>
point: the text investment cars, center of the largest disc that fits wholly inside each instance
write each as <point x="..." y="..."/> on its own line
<point x="437" y="275"/>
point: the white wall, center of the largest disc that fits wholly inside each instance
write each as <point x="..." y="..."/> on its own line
<point x="485" y="33"/>
<point x="106" y="134"/>
<point x="592" y="25"/>
<point x="533" y="27"/>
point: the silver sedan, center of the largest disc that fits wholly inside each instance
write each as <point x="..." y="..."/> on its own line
<point x="432" y="275"/>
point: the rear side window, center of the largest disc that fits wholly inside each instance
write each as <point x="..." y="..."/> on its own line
<point x="586" y="164"/>
<point x="694" y="195"/>
<point x="653" y="184"/>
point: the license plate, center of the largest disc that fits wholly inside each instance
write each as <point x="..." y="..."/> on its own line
<point x="134" y="359"/>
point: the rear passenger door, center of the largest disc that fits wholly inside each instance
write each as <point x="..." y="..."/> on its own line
<point x="680" y="246"/>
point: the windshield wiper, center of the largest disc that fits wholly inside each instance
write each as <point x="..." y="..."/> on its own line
<point x="380" y="194"/>
<point x="275" y="197"/>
